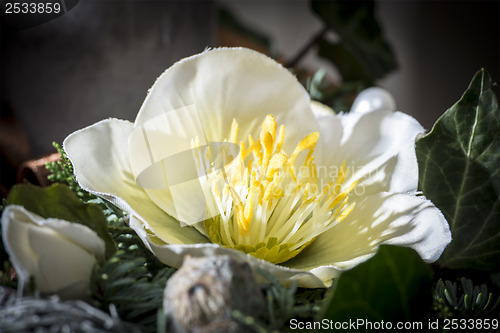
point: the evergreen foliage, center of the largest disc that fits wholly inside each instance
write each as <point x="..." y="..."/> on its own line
<point x="463" y="299"/>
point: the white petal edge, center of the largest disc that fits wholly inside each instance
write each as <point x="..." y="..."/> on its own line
<point x="100" y="157"/>
<point x="378" y="148"/>
<point x="385" y="218"/>
<point x="60" y="255"/>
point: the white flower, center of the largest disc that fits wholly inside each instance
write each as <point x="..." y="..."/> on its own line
<point x="58" y="254"/>
<point x="322" y="192"/>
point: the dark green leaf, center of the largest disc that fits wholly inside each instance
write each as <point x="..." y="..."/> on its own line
<point x="58" y="201"/>
<point x="360" y="35"/>
<point x="394" y="285"/>
<point x="459" y="163"/>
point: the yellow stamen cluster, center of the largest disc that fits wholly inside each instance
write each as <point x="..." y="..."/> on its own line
<point x="264" y="205"/>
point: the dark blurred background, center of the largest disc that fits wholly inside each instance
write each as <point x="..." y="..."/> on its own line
<point x="99" y="59"/>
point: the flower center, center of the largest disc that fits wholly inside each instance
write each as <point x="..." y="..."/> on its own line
<point x="267" y="206"/>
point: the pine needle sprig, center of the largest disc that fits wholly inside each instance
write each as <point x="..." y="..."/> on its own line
<point x="128" y="284"/>
<point x="132" y="280"/>
<point x="132" y="246"/>
<point x="62" y="172"/>
<point x="463" y="299"/>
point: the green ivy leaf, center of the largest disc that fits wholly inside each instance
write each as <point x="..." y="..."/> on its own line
<point x="58" y="201"/>
<point x="362" y="47"/>
<point x="459" y="163"/>
<point x="394" y="285"/>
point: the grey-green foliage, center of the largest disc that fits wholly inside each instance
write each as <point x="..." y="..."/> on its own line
<point x="283" y="304"/>
<point x="132" y="280"/>
<point x="464" y="300"/>
<point x="459" y="166"/>
<point x="136" y="293"/>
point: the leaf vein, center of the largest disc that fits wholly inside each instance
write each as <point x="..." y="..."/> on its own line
<point x="467" y="159"/>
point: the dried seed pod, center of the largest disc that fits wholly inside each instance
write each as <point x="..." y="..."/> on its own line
<point x="206" y="290"/>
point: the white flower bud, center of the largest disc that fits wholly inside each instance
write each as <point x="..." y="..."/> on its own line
<point x="58" y="254"/>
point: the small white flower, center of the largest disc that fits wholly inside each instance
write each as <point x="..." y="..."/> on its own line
<point x="311" y="194"/>
<point x="58" y="254"/>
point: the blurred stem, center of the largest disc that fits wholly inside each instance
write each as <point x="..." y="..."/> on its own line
<point x="302" y="52"/>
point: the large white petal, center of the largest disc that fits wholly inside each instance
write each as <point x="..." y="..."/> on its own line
<point x="229" y="83"/>
<point x="100" y="158"/>
<point x="384" y="218"/>
<point x="378" y="148"/>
